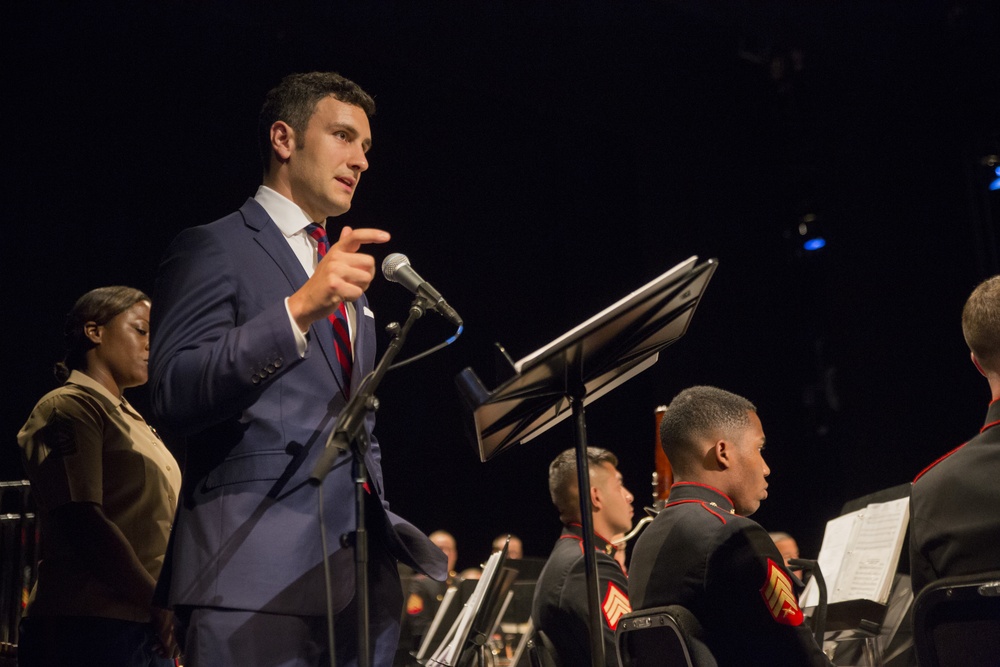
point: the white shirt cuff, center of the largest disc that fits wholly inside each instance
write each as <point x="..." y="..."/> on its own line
<point x="300" y="338"/>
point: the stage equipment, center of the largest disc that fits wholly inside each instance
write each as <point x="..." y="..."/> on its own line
<point x="576" y="369"/>
<point x="350" y="436"/>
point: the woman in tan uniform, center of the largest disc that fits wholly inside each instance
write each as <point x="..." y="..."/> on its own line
<point x="106" y="489"/>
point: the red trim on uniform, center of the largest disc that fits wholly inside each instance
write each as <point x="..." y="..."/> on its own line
<point x="989" y="426"/>
<point x="681" y="502"/>
<point x="720" y="517"/>
<point x="925" y="470"/>
<point x="573" y="537"/>
<point x="706" y="486"/>
<point x="596" y="548"/>
<point x="700" y="502"/>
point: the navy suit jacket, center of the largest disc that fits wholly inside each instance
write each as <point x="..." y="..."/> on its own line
<point x="227" y="377"/>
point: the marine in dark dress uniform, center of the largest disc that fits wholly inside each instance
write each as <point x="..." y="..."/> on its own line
<point x="560" y="606"/>
<point x="702" y="552"/>
<point x="423" y="599"/>
<point x="724" y="568"/>
<point x="954" y="515"/>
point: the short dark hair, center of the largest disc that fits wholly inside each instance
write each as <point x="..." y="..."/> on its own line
<point x="696" y="413"/>
<point x="294" y="101"/>
<point x="981" y="323"/>
<point x="99" y="305"/>
<point x="562" y="480"/>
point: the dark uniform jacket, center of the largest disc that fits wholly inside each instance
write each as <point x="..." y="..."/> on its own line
<point x="423" y="599"/>
<point x="955" y="510"/>
<point x="724" y="568"/>
<point x="560" y="604"/>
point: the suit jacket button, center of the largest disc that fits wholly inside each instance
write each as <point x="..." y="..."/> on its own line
<point x="277" y="362"/>
<point x="255" y="378"/>
<point x="270" y="368"/>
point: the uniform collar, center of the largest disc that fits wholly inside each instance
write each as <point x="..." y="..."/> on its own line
<point x="687" y="491"/>
<point x="601" y="543"/>
<point x="992" y="416"/>
<point x="82" y="379"/>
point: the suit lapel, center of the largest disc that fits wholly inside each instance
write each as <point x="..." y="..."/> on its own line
<point x="273" y="242"/>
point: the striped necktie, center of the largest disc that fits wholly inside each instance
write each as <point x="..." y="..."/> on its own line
<point x="338" y="318"/>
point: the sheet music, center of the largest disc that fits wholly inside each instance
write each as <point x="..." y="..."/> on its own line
<point x="831" y="555"/>
<point x="871" y="560"/>
<point x="860" y="552"/>
<point x="450" y="650"/>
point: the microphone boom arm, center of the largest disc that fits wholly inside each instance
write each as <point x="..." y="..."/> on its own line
<point x="350" y="424"/>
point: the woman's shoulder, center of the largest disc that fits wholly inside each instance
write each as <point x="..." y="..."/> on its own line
<point x="72" y="399"/>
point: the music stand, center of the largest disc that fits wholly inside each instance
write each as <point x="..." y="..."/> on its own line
<point x="864" y="630"/>
<point x="576" y="369"/>
<point x="477" y="620"/>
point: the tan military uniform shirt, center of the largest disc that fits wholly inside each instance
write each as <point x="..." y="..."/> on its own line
<point x="83" y="444"/>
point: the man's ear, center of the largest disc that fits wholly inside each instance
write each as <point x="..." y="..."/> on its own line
<point x="723" y="452"/>
<point x="93" y="332"/>
<point x="595" y="498"/>
<point x="282" y="140"/>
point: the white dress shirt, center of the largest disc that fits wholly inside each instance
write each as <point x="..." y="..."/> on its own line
<point x="292" y="221"/>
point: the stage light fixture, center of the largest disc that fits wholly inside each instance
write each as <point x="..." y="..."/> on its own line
<point x="992" y="161"/>
<point x="809" y="233"/>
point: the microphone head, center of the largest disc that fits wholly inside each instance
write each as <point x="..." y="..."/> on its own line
<point x="392" y="263"/>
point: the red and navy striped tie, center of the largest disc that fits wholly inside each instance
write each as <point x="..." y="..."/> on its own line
<point x="338" y="318"/>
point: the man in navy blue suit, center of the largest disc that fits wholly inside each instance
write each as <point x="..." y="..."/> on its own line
<point x="245" y="369"/>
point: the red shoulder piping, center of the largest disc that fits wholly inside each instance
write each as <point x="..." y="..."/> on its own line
<point x="700" y="502"/>
<point x="924" y="471"/>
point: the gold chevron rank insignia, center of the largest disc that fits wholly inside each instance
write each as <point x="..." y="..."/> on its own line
<point x="779" y="596"/>
<point x="414" y="604"/>
<point x="615" y="605"/>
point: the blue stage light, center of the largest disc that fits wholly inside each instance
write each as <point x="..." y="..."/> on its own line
<point x="995" y="185"/>
<point x="814" y="244"/>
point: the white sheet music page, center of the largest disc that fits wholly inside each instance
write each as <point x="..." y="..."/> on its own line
<point x="860" y="553"/>
<point x="831" y="554"/>
<point x="872" y="557"/>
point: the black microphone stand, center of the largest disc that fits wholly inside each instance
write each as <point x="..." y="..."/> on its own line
<point x="350" y="434"/>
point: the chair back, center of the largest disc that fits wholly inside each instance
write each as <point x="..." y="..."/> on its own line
<point x="956" y="621"/>
<point x="541" y="651"/>
<point x="662" y="637"/>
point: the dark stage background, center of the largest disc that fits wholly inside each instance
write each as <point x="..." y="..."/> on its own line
<point x="536" y="162"/>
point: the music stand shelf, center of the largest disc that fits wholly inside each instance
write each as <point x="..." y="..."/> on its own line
<point x="600" y="354"/>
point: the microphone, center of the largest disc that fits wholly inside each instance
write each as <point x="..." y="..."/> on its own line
<point x="396" y="268"/>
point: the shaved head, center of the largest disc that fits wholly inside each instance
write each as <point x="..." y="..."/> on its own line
<point x="697" y="415"/>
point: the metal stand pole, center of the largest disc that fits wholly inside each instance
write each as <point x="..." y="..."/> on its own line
<point x="350" y="434"/>
<point x="587" y="521"/>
